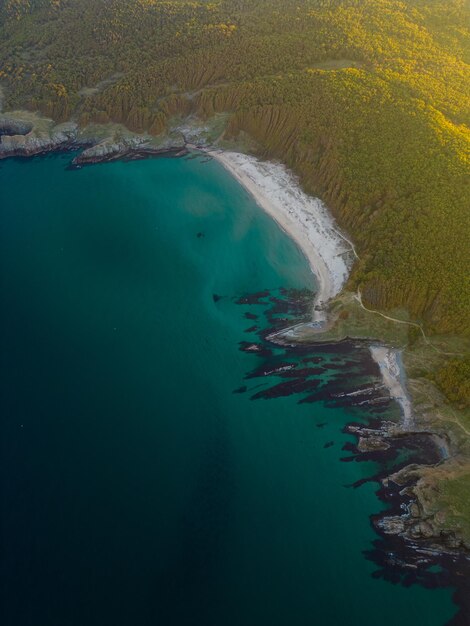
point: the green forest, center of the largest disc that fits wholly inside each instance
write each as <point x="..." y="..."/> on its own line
<point x="368" y="101"/>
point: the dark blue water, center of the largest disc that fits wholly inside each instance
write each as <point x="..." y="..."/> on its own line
<point x="136" y="487"/>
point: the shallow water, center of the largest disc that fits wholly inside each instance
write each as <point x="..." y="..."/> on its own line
<point x="136" y="487"/>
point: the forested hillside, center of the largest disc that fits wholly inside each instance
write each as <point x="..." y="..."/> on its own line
<point x="367" y="100"/>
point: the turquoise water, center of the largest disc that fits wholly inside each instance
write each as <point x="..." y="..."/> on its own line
<point x="137" y="488"/>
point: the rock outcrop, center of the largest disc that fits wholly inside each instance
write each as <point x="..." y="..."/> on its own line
<point x="22" y="138"/>
<point x="131" y="148"/>
<point x="25" y="134"/>
<point x="14" y="127"/>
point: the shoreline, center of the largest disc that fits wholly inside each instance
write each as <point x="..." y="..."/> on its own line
<point x="276" y="190"/>
<point x="303" y="218"/>
<point x="391" y="368"/>
<point x="251" y="174"/>
<point x="403" y="524"/>
<point x="306" y="221"/>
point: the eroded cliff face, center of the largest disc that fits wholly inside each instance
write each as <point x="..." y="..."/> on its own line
<point x="29" y="144"/>
<point x="26" y="134"/>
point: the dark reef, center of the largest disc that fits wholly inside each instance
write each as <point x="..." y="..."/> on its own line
<point x="345" y="375"/>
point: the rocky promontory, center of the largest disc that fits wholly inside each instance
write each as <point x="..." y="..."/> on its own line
<point x="25" y="134"/>
<point x="128" y="148"/>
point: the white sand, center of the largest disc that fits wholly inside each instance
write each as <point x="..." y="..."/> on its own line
<point x="330" y="254"/>
<point x="304" y="218"/>
<point x="388" y="359"/>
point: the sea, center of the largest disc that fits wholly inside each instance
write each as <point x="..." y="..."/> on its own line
<point x="162" y="462"/>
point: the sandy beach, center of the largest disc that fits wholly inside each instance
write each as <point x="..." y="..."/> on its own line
<point x="304" y="218"/>
<point x="388" y="360"/>
<point x="330" y="254"/>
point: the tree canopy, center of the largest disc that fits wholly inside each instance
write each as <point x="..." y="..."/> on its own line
<point x="367" y="100"/>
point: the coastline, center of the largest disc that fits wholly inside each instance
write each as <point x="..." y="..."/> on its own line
<point x="265" y="181"/>
<point x="307" y="221"/>
<point x="406" y="527"/>
<point x="275" y="189"/>
<point x="304" y="218"/>
<point x="391" y="368"/>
